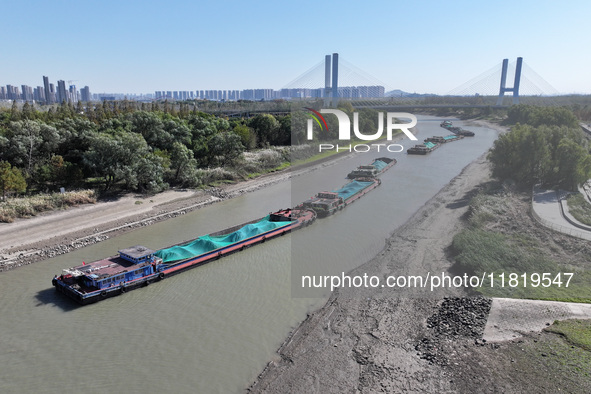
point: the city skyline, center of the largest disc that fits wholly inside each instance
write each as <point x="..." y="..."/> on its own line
<point x="134" y="47"/>
<point x="50" y="93"/>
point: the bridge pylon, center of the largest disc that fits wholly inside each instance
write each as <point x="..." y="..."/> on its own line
<point x="515" y="89"/>
<point x="331" y="73"/>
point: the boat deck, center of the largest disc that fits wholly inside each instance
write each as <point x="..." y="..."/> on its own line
<point x="106" y="267"/>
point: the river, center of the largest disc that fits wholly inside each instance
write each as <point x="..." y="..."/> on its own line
<point x="213" y="328"/>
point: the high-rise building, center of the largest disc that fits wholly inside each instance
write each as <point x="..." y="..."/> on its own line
<point x="85" y="94"/>
<point x="52" y="95"/>
<point x="27" y="93"/>
<point x="39" y="94"/>
<point x="73" y="94"/>
<point x="47" y="90"/>
<point x="62" y="94"/>
<point x="12" y="92"/>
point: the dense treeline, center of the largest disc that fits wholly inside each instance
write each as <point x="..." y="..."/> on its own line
<point x="143" y="148"/>
<point x="545" y="145"/>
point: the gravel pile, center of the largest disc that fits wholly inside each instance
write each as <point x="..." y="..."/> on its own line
<point x="460" y="317"/>
<point x="456" y="319"/>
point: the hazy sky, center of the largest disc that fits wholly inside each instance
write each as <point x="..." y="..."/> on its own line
<point x="133" y="46"/>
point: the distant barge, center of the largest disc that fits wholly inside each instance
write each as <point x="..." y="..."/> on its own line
<point x="364" y="180"/>
<point x="139" y="266"/>
<point x="446" y="124"/>
<point x="432" y="143"/>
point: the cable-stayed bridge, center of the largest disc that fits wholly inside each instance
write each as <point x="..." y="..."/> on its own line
<point x="335" y="78"/>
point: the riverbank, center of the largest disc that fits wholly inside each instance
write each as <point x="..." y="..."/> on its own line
<point x="384" y="340"/>
<point x="50" y="234"/>
<point x="364" y="339"/>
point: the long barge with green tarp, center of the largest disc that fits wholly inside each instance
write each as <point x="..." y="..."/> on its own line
<point x="139" y="266"/>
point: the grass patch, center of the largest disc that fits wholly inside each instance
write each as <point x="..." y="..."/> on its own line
<point x="312" y="159"/>
<point x="550" y="361"/>
<point x="480" y="251"/>
<point x="283" y="166"/>
<point x="30" y="206"/>
<point x="577" y="332"/>
<point x="488" y="247"/>
<point x="580" y="208"/>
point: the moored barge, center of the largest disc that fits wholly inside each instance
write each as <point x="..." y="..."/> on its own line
<point x="139" y="266"/>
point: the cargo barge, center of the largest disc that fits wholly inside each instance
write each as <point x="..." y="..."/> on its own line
<point x="444" y="140"/>
<point x="379" y="165"/>
<point x="364" y="180"/>
<point x="139" y="266"/>
<point x="432" y="143"/>
<point x="426" y="147"/>
<point x="456" y="130"/>
<point x="327" y="203"/>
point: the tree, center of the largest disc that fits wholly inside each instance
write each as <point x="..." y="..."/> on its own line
<point x="265" y="127"/>
<point x="149" y="173"/>
<point x="182" y="164"/>
<point x="574" y="164"/>
<point x="176" y="131"/>
<point x="283" y="136"/>
<point x="11" y="179"/>
<point x="247" y="136"/>
<point x="551" y="155"/>
<point x="224" y="148"/>
<point x="14" y="112"/>
<point x="299" y="121"/>
<point x="28" y="111"/>
<point x="112" y="156"/>
<point x="150" y="126"/>
<point x="202" y="130"/>
<point x="125" y="157"/>
<point x="31" y="142"/>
